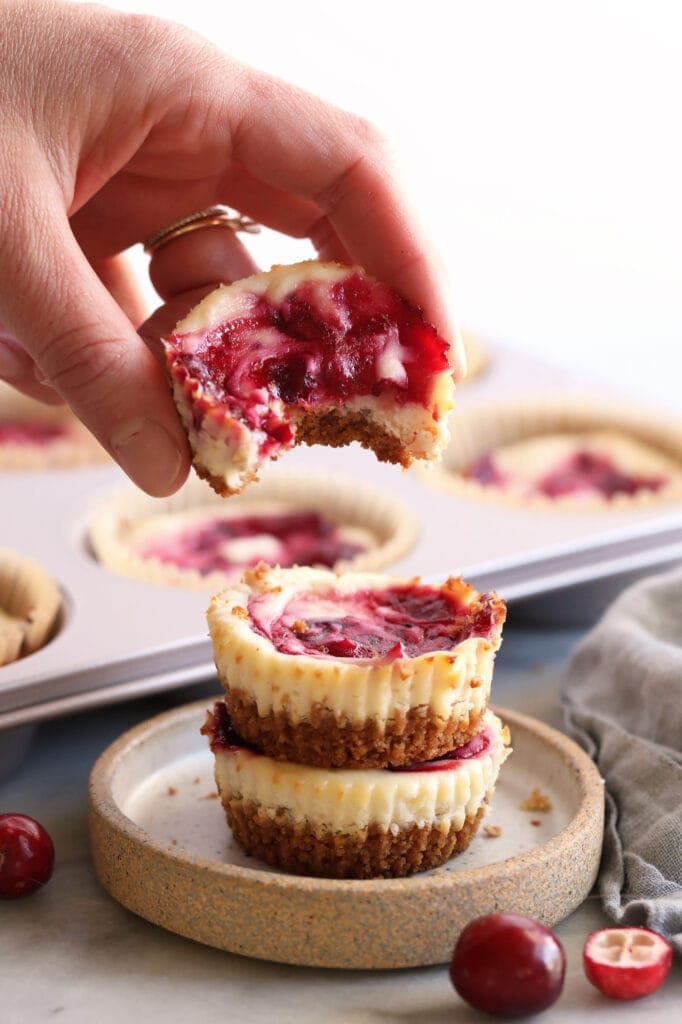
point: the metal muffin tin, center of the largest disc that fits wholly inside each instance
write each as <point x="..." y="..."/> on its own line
<point x="121" y="637"/>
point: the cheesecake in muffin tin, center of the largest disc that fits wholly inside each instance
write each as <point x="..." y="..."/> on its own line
<point x="317" y="353"/>
<point x="602" y="464"/>
<point x="564" y="454"/>
<point x="209" y="542"/>
<point x="355" y="823"/>
<point x="30" y="603"/>
<point x="354" y="669"/>
<point x="198" y="540"/>
<point x="35" y="436"/>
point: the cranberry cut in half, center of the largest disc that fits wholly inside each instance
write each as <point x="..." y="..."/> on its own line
<point x="508" y="966"/>
<point x="627" y="963"/>
<point x="26" y="856"/>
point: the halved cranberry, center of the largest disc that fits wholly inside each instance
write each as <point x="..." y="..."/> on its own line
<point x="26" y="856"/>
<point x="627" y="963"/>
<point x="508" y="965"/>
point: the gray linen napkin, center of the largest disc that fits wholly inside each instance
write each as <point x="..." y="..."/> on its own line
<point x="622" y="698"/>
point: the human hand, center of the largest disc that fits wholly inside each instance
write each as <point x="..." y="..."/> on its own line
<point x="115" y="125"/>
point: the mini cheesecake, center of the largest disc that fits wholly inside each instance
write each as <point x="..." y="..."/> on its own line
<point x="30" y="603"/>
<point x="362" y="823"/>
<point x="578" y="466"/>
<point x="207" y="541"/>
<point x="354" y="669"/>
<point x="34" y="437"/>
<point x="316" y="353"/>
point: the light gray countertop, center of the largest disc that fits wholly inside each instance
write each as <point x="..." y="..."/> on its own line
<point x="71" y="954"/>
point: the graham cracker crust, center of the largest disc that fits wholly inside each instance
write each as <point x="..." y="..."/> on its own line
<point x="371" y="853"/>
<point x="217" y="482"/>
<point x="324" y="742"/>
<point x="336" y="428"/>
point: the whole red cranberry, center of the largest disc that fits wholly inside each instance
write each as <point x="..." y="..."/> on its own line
<point x="508" y="965"/>
<point x="26" y="856"/>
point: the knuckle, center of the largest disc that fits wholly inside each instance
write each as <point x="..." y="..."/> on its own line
<point x="82" y="361"/>
<point x="369" y="137"/>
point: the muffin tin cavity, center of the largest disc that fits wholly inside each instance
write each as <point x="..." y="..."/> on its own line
<point x="198" y="540"/>
<point x="568" y="455"/>
<point x="34" y="436"/>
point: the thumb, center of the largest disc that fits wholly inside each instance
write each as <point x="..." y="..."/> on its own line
<point x="85" y="347"/>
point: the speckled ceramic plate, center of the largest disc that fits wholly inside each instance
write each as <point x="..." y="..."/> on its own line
<point x="162" y="848"/>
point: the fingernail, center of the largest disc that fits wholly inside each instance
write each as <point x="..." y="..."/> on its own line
<point x="148" y="454"/>
<point x="14" y="363"/>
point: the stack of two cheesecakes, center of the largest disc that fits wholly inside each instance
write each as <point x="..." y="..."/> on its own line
<point x="354" y="740"/>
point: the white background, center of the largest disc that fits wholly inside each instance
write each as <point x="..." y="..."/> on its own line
<point x="541" y="141"/>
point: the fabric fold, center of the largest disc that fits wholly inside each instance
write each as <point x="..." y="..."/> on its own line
<point x="622" y="698"/>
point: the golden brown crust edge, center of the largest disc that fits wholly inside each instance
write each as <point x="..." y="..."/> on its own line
<point x="325" y="742"/>
<point x="371" y="853"/>
<point x="218" y="483"/>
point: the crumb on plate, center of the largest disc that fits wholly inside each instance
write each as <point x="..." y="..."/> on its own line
<point x="537" y="801"/>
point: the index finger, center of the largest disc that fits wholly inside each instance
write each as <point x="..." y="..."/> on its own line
<point x="295" y="142"/>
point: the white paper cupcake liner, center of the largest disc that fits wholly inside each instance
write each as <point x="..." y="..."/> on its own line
<point x="481" y="429"/>
<point x="389" y="526"/>
<point x="477" y="353"/>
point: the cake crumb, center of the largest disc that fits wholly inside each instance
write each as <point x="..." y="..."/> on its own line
<point x="492" y="831"/>
<point x="174" y="842"/>
<point x="172" y="791"/>
<point x="240" y="612"/>
<point x="195" y="782"/>
<point x="210" y="796"/>
<point x="537" y="801"/>
<point x="475" y="683"/>
<point x="299" y="626"/>
<point x="535" y="821"/>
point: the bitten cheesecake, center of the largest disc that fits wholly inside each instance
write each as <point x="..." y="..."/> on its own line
<point x="316" y="353"/>
<point x="578" y="466"/>
<point x="362" y="823"/>
<point x="354" y="670"/>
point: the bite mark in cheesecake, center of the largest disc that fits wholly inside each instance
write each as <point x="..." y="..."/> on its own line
<point x="313" y="353"/>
